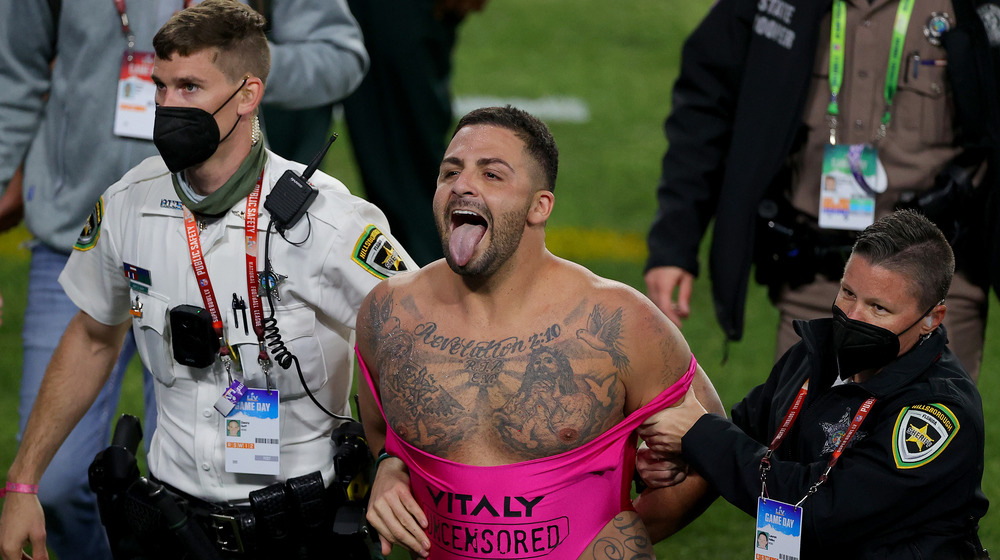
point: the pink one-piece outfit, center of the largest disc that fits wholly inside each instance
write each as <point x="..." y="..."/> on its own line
<point x="551" y="507"/>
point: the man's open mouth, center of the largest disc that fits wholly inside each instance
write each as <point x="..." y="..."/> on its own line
<point x="467" y="230"/>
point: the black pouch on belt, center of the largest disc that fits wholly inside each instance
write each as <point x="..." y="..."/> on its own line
<point x="271" y="511"/>
<point x="312" y="514"/>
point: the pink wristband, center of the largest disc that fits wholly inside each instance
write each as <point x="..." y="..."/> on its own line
<point x="19" y="488"/>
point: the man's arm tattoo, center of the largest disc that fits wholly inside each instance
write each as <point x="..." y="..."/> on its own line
<point x="630" y="541"/>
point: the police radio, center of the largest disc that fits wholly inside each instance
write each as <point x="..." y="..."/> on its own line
<point x="292" y="194"/>
<point x="287" y="202"/>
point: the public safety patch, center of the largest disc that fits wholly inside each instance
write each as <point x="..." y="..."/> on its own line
<point x="922" y="432"/>
<point x="375" y="253"/>
<point x="92" y="229"/>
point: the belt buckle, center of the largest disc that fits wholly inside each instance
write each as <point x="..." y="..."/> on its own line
<point x="227" y="532"/>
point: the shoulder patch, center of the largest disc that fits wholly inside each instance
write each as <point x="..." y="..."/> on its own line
<point x="922" y="432"/>
<point x="990" y="16"/>
<point x="375" y="253"/>
<point x="92" y="229"/>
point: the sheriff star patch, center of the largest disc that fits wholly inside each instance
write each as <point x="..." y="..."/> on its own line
<point x="835" y="432"/>
<point x="92" y="229"/>
<point x="375" y="253"/>
<point x="922" y="432"/>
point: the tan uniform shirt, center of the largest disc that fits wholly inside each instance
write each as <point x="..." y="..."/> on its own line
<point x="919" y="141"/>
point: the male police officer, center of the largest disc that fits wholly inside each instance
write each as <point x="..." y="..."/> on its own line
<point x="178" y="248"/>
<point x="76" y="137"/>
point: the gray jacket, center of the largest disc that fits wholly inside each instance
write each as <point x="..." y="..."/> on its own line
<point x="69" y="150"/>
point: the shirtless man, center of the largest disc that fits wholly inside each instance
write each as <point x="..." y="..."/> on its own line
<point x="508" y="375"/>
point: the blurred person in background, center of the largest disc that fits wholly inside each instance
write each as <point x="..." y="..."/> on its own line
<point x="401" y="114"/>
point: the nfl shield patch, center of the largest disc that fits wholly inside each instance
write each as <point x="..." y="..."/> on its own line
<point x="922" y="432"/>
<point x="375" y="253"/>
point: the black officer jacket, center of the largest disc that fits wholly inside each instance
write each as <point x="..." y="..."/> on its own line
<point x="869" y="507"/>
<point x="737" y="108"/>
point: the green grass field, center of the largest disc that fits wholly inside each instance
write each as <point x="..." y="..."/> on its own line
<point x="621" y="59"/>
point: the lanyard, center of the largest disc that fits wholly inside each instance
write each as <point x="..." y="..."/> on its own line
<point x="838" y="32"/>
<point x="126" y="30"/>
<point x="256" y="308"/>
<point x="790" y="417"/>
<point x="786" y="424"/>
<point x="205" y="282"/>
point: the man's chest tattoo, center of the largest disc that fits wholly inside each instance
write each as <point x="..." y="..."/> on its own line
<point x="539" y="393"/>
<point x="426" y="334"/>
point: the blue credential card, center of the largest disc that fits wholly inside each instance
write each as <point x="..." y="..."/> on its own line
<point x="252" y="432"/>
<point x="779" y="531"/>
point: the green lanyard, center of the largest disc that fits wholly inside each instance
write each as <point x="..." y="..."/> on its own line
<point x="838" y="32"/>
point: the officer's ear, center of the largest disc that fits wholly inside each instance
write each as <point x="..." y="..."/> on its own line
<point x="934" y="318"/>
<point x="250" y="95"/>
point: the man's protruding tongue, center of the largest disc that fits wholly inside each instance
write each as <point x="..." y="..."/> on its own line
<point x="464" y="239"/>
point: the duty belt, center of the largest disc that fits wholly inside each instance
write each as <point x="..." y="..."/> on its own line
<point x="301" y="505"/>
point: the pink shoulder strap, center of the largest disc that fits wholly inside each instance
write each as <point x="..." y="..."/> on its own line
<point x="368" y="379"/>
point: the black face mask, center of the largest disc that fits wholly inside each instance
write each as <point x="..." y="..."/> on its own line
<point x="187" y="136"/>
<point x="860" y="346"/>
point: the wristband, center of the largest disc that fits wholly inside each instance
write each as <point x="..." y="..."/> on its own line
<point x="381" y="458"/>
<point x="18" y="489"/>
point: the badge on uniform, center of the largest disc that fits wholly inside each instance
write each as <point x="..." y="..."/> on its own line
<point x="937" y="25"/>
<point x="136" y="106"/>
<point x="92" y="229"/>
<point x="252" y="432"/>
<point x="779" y="530"/>
<point x="269" y="281"/>
<point x="135" y="309"/>
<point x="852" y="176"/>
<point x="375" y="253"/>
<point x="922" y="432"/>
